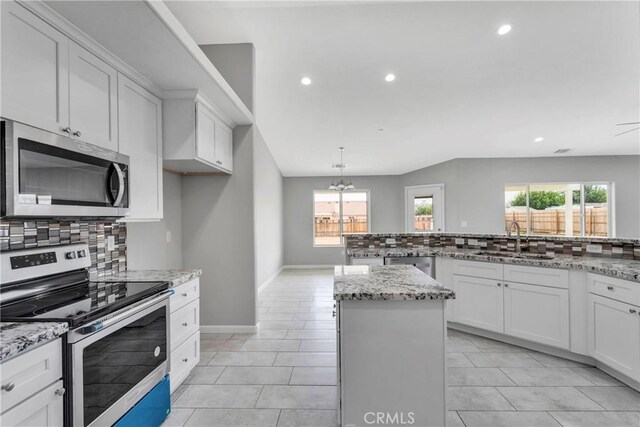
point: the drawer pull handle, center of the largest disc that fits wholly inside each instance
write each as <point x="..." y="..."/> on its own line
<point x="77" y="133"/>
<point x="185" y="324"/>
<point x="66" y="130"/>
<point x="185" y="360"/>
<point x="506" y="285"/>
<point x="632" y="311"/>
<point x="610" y="288"/>
<point x="60" y="392"/>
<point x="9" y="386"/>
<point x="499" y="284"/>
<point x="185" y="294"/>
<point x="334" y="313"/>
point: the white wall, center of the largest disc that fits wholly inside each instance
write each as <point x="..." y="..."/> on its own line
<point x="386" y="216"/>
<point x="474" y="188"/>
<point x="147" y="246"/>
<point x="218" y="237"/>
<point x="268" y="208"/>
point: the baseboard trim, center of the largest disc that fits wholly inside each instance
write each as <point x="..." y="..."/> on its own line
<point x="229" y="329"/>
<point x="307" y="266"/>
<point x="270" y="279"/>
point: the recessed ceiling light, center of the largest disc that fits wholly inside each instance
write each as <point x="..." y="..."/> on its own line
<point x="538" y="139"/>
<point x="305" y="81"/>
<point x="504" y="29"/>
<point x="390" y="77"/>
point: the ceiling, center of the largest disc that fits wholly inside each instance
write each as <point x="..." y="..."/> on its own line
<point x="567" y="72"/>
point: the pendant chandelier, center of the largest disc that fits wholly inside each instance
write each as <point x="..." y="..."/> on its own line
<point x="341" y="184"/>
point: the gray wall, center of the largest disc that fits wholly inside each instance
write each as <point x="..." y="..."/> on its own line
<point x="474" y="188"/>
<point x="218" y="237"/>
<point x="268" y="208"/>
<point x="474" y="192"/>
<point x="236" y="63"/>
<point x="147" y="246"/>
<point x="386" y="215"/>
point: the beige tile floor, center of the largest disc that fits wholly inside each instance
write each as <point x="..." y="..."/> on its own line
<point x="285" y="375"/>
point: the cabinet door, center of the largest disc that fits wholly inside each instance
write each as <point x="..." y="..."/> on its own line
<point x="205" y="134"/>
<point x="479" y="303"/>
<point x="93" y="94"/>
<point x="614" y="335"/>
<point x="537" y="313"/>
<point x="35" y="60"/>
<point x="184" y="359"/>
<point x="43" y="409"/>
<point x="224" y="147"/>
<point x="140" y="137"/>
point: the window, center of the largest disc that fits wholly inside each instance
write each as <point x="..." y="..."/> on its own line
<point x="568" y="209"/>
<point x="335" y="213"/>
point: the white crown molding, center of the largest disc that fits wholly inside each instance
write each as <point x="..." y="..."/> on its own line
<point x="60" y="23"/>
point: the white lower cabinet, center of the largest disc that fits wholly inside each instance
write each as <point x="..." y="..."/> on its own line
<point x="43" y="409"/>
<point x="614" y="334"/>
<point x="537" y="313"/>
<point x="32" y="389"/>
<point x="479" y="302"/>
<point x="184" y="332"/>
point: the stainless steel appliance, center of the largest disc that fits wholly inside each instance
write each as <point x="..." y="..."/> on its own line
<point x="424" y="263"/>
<point x="45" y="175"/>
<point x="116" y="348"/>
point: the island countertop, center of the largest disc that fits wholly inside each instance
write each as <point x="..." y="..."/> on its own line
<point x="388" y="282"/>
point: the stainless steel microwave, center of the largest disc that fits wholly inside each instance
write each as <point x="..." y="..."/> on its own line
<point x="49" y="175"/>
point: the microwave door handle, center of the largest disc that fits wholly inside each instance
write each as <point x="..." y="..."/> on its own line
<point x="115" y="201"/>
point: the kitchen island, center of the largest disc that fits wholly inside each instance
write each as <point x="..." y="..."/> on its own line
<point x="391" y="340"/>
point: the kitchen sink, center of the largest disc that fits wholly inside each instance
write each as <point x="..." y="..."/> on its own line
<point x="525" y="255"/>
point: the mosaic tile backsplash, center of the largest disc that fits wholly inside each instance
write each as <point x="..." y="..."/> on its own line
<point x="611" y="248"/>
<point x="30" y="233"/>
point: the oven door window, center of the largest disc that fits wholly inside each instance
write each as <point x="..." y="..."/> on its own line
<point x="114" y="364"/>
<point x="63" y="177"/>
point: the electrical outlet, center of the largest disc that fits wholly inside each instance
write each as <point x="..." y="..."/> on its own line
<point x="594" y="249"/>
<point x="459" y="241"/>
<point x="464" y="224"/>
<point x="472" y="242"/>
<point x="111" y="243"/>
<point x="390" y="241"/>
<point x="168" y="236"/>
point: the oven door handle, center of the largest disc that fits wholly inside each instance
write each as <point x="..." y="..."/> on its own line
<point x="96" y="326"/>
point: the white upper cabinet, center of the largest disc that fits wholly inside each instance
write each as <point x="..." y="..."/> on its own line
<point x="224" y="147"/>
<point x="35" y="78"/>
<point x="53" y="83"/>
<point x="140" y="137"/>
<point x="93" y="94"/>
<point x="196" y="137"/>
<point x="205" y="134"/>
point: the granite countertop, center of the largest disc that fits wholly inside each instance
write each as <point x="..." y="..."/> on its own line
<point x="176" y="277"/>
<point x="18" y="337"/>
<point x="627" y="269"/>
<point x="388" y="282"/>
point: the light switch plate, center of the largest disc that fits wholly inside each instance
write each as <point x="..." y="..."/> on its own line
<point x="168" y="236"/>
<point x="464" y="224"/>
<point x="594" y="249"/>
<point x="111" y="243"/>
<point x="459" y="241"/>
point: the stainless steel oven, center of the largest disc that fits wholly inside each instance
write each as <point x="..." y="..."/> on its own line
<point x="45" y="175"/>
<point x="116" y="361"/>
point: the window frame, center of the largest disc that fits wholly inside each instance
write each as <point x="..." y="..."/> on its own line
<point x="611" y="227"/>
<point x="341" y="225"/>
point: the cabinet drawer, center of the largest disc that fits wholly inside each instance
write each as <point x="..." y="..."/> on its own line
<point x="184" y="359"/>
<point x="184" y="322"/>
<point x="618" y="289"/>
<point x="185" y="293"/>
<point x="42" y="409"/>
<point x="31" y="372"/>
<point x="553" y="277"/>
<point x="485" y="270"/>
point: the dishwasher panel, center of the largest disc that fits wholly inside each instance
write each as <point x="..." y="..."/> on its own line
<point x="426" y="264"/>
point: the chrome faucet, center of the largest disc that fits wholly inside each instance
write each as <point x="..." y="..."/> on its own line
<point x="518" y="247"/>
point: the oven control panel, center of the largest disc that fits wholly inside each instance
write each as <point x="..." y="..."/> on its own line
<point x="27" y="264"/>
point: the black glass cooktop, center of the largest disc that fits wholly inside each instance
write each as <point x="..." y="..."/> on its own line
<point x="79" y="303"/>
